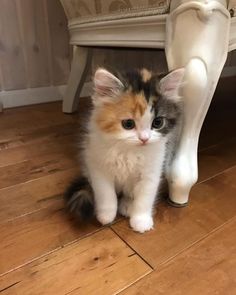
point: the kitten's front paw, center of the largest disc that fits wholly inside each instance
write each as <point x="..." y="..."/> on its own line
<point x="141" y="223"/>
<point x="106" y="216"/>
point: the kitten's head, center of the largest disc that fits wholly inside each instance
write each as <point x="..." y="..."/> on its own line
<point x="136" y="107"/>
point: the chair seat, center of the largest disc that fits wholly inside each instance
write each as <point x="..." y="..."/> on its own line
<point x="102" y="10"/>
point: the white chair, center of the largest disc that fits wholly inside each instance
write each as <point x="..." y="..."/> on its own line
<point x="196" y="34"/>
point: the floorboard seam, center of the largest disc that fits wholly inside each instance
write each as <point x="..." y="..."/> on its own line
<point x="51" y="251"/>
<point x="115" y="232"/>
<point x="217" y="174"/>
<point x="197" y="241"/>
<point x="167" y="262"/>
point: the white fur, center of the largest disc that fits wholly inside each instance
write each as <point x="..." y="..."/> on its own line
<point x="122" y="164"/>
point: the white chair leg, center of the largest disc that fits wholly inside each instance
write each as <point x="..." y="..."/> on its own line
<point x="197" y="38"/>
<point x="79" y="68"/>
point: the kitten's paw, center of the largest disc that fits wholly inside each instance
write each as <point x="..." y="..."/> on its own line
<point x="141" y="223"/>
<point x="124" y="207"/>
<point x="106" y="216"/>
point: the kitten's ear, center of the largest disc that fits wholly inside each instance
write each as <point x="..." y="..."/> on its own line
<point x="106" y="86"/>
<point x="170" y="84"/>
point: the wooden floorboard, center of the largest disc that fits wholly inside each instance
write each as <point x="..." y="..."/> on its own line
<point x="13" y="139"/>
<point x="18" y="154"/>
<point x="39" y="193"/>
<point x="216" y="159"/>
<point x="207" y="268"/>
<point x="33" y="117"/>
<point x="35" y="168"/>
<point x="34" y="235"/>
<point x="100" y="264"/>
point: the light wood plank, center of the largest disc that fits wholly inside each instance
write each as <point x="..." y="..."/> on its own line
<point x="11" y="59"/>
<point x="206" y="268"/>
<point x="33" y="117"/>
<point x="32" y="15"/>
<point x="37" y="234"/>
<point x="18" y="130"/>
<point x="11" y="54"/>
<point x="211" y="204"/>
<point x="25" y="55"/>
<point x="19" y="138"/>
<point x="37" y="147"/>
<point x="216" y="159"/>
<point x="19" y="125"/>
<point x="34" y="195"/>
<point x="100" y="264"/>
<point x="59" y="42"/>
<point x="36" y="167"/>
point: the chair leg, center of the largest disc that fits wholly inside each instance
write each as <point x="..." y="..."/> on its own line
<point x="80" y="64"/>
<point x="197" y="39"/>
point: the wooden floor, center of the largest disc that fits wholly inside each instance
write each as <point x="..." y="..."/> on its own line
<point x="192" y="250"/>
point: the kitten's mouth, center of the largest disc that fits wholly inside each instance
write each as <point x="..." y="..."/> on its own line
<point x="143" y="143"/>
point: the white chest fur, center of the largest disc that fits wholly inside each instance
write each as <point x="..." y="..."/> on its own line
<point x="125" y="164"/>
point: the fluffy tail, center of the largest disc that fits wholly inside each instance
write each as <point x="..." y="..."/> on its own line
<point x="79" y="199"/>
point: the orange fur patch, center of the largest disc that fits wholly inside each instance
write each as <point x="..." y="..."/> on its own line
<point x="129" y="106"/>
<point x="146" y="75"/>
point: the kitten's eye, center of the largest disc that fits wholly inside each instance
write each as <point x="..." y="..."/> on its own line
<point x="128" y="124"/>
<point x="158" y="123"/>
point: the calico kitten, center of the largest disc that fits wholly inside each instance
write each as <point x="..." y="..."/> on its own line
<point x="130" y="134"/>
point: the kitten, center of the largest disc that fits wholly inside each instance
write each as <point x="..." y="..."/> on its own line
<point x="130" y="135"/>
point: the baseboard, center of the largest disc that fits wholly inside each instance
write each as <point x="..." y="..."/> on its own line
<point x="16" y="98"/>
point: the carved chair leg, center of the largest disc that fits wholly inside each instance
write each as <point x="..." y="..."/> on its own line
<point x="80" y="64"/>
<point x="197" y="38"/>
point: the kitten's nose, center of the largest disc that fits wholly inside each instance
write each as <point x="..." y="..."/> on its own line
<point x="144" y="137"/>
<point x="144" y="140"/>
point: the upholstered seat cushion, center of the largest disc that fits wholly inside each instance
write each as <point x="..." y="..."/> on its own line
<point x="86" y="11"/>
